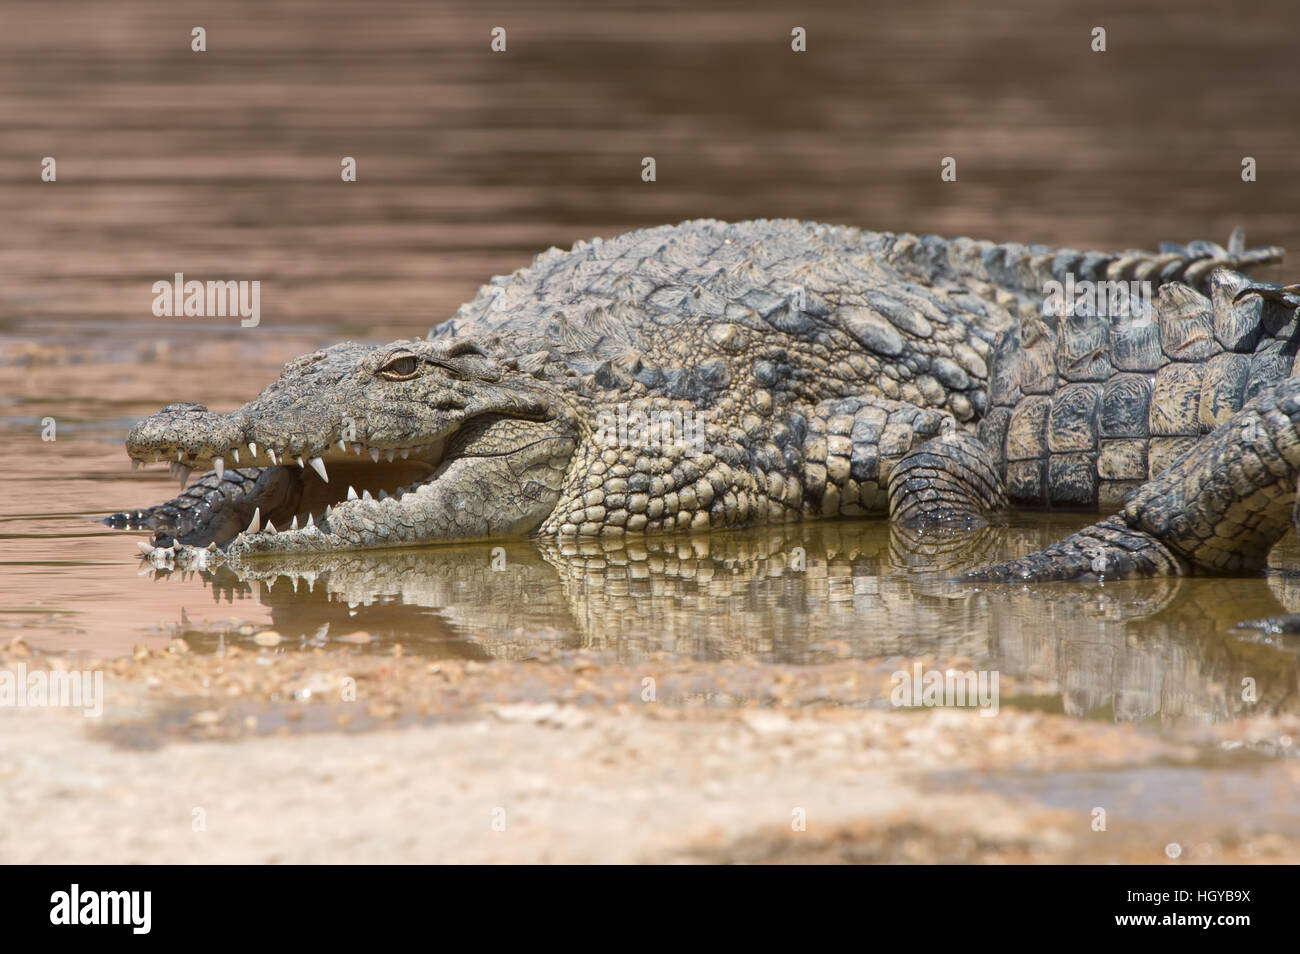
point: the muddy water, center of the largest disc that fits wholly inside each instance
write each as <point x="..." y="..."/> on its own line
<point x="225" y="165"/>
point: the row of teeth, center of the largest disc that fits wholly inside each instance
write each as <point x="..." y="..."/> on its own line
<point x="164" y="558"/>
<point x="255" y="525"/>
<point x="182" y="471"/>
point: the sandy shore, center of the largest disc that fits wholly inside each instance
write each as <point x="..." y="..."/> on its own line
<point x="263" y="756"/>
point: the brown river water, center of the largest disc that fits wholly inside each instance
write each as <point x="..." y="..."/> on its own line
<point x="225" y="164"/>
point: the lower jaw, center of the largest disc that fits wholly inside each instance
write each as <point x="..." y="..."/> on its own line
<point x="305" y="500"/>
<point x="366" y="523"/>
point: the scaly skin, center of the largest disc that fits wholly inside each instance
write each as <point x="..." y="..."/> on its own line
<point x="799" y="370"/>
<point x="1084" y="410"/>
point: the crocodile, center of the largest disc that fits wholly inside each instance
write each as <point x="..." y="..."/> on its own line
<point x="711" y="375"/>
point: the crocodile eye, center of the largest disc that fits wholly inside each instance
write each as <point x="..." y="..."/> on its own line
<point x="400" y="367"/>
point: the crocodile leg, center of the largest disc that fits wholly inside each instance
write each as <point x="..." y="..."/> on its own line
<point x="852" y="446"/>
<point x="1219" y="507"/>
<point x="950" y="481"/>
<point x="868" y="454"/>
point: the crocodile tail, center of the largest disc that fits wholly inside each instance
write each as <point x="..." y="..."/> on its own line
<point x="1018" y="276"/>
<point x="1220" y="507"/>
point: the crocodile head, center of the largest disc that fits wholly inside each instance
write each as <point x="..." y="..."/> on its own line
<point x="361" y="446"/>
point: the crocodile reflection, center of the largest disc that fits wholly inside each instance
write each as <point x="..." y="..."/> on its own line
<point x="1133" y="650"/>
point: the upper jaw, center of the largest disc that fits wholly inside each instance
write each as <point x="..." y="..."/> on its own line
<point x="314" y="475"/>
<point x="190" y="437"/>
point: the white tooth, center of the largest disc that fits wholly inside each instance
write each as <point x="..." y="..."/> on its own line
<point x="365" y="495"/>
<point x="294" y="579"/>
<point x="219" y="465"/>
<point x="383" y="495"/>
<point x="310" y="522"/>
<point x="405" y="452"/>
<point x="374" y="454"/>
<point x="388" y="456"/>
<point x="356" y="449"/>
<point x="270" y="527"/>
<point x="179" y="455"/>
<point x="294" y="525"/>
<point x="343" y="446"/>
<point x="318" y="465"/>
<point x="329" y="509"/>
<point x="352" y="492"/>
<point x="183" y="473"/>
<point x="235" y="452"/>
<point x="256" y="523"/>
<point x="271" y="453"/>
<point x="252" y="449"/>
<point x="300" y="463"/>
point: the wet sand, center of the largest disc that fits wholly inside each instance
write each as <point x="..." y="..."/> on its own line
<point x="564" y="760"/>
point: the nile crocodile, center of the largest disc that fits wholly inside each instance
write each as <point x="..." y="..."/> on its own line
<point x="712" y="375"/>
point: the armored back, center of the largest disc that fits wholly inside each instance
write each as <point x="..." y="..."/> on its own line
<point x="1109" y="386"/>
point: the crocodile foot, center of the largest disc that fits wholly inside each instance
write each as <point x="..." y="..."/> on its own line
<point x="1106" y="550"/>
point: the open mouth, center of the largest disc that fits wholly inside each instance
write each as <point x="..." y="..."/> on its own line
<point x="257" y="488"/>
